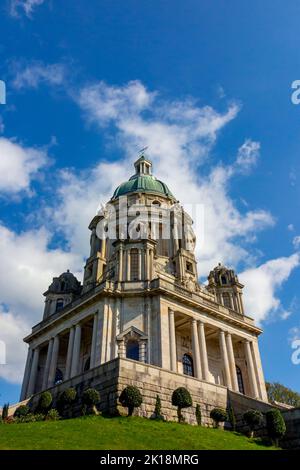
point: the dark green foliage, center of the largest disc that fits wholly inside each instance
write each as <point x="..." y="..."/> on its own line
<point x="218" y="415"/>
<point x="131" y="398"/>
<point x="253" y="418"/>
<point x="198" y="414"/>
<point x="157" y="410"/>
<point x="181" y="398"/>
<point x="90" y="397"/>
<point x="52" y="415"/>
<point x="232" y="418"/>
<point x="280" y="393"/>
<point x="22" y="410"/>
<point x="5" y="411"/>
<point x="67" y="397"/>
<point x="275" y="425"/>
<point x="44" y="403"/>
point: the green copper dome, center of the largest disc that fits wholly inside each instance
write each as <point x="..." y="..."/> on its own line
<point x="143" y="182"/>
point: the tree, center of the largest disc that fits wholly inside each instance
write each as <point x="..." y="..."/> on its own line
<point x="280" y="393"/>
<point x="218" y="415"/>
<point x="131" y="398"/>
<point x="275" y="425"/>
<point x="90" y="399"/>
<point x="253" y="418"/>
<point x="157" y="410"/>
<point x="198" y="414"/>
<point x="44" y="403"/>
<point x="5" y="411"/>
<point x="232" y="418"/>
<point x="182" y="399"/>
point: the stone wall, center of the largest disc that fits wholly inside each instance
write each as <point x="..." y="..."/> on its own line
<point x="153" y="381"/>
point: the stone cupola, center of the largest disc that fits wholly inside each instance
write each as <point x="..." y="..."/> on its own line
<point x="224" y="284"/>
<point x="63" y="290"/>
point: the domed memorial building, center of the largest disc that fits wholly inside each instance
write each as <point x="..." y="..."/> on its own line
<point x="141" y="316"/>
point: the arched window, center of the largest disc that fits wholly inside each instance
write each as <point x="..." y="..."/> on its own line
<point x="63" y="285"/>
<point x="87" y="364"/>
<point x="223" y="279"/>
<point x="134" y="265"/>
<point x="132" y="350"/>
<point x="59" y="305"/>
<point x="59" y="377"/>
<point x="240" y="380"/>
<point x="188" y="366"/>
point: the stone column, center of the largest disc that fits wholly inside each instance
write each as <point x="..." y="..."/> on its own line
<point x="258" y="367"/>
<point x="196" y="350"/>
<point x="151" y="259"/>
<point x="147" y="264"/>
<point x="53" y="364"/>
<point x="47" y="365"/>
<point x="241" y="302"/>
<point x="251" y="371"/>
<point x="139" y="264"/>
<point x="142" y="351"/>
<point x="76" y="351"/>
<point x="225" y="361"/>
<point x="232" y="365"/>
<point x="70" y="352"/>
<point x="203" y="351"/>
<point x="128" y="266"/>
<point x="33" y="372"/>
<point x="26" y="375"/>
<point x="120" y="272"/>
<point x="172" y="341"/>
<point x="94" y="340"/>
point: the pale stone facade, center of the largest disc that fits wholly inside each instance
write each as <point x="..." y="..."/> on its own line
<point x="141" y="300"/>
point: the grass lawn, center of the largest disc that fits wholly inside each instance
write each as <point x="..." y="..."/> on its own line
<point x="99" y="433"/>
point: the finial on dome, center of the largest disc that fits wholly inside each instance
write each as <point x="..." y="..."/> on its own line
<point x="143" y="165"/>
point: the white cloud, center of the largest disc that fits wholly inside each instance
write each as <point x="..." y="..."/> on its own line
<point x="19" y="165"/>
<point x="24" y="6"/>
<point x="262" y="286"/>
<point x="296" y="242"/>
<point x="291" y="227"/>
<point x="27" y="268"/>
<point x="33" y="74"/>
<point x="247" y="155"/>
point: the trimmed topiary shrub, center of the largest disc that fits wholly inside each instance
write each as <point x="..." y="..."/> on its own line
<point x="253" y="418"/>
<point x="275" y="425"/>
<point x="232" y="418"/>
<point x="44" y="403"/>
<point x="90" y="398"/>
<point x="22" y="410"/>
<point x="198" y="414"/>
<point x="218" y="415"/>
<point x="181" y="398"/>
<point x="157" y="411"/>
<point x="68" y="396"/>
<point x="131" y="398"/>
<point x="52" y="415"/>
<point x="66" y="401"/>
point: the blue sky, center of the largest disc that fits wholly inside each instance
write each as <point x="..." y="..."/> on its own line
<point x="207" y="85"/>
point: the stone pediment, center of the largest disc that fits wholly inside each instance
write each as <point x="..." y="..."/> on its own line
<point x="133" y="332"/>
